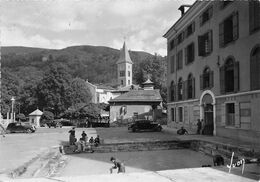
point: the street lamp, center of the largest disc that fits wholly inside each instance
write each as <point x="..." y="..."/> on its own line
<point x="12" y="116"/>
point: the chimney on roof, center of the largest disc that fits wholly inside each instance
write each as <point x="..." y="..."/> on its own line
<point x="182" y="8"/>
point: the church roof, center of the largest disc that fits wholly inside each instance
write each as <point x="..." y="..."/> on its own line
<point x="37" y="112"/>
<point x="139" y="96"/>
<point x="124" y="56"/>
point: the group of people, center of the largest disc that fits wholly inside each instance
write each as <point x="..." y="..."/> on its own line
<point x="83" y="144"/>
<point x="200" y="127"/>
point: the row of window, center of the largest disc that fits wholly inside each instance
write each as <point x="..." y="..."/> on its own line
<point x="228" y="32"/>
<point x="229" y="78"/>
<point x="230" y="114"/>
<point x="122" y="82"/>
<point x="122" y="73"/>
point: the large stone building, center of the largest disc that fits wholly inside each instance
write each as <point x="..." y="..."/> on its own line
<point x="214" y="68"/>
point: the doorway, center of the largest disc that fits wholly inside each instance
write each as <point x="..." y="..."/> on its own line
<point x="208" y="120"/>
<point x="208" y="112"/>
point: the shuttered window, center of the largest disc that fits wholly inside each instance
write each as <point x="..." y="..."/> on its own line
<point x="189" y="53"/>
<point x="190" y="87"/>
<point x="172" y="63"/>
<point x="254" y="15"/>
<point x="229" y="77"/>
<point x="228" y="30"/>
<point x="172" y="92"/>
<point x="172" y="44"/>
<point x="255" y="69"/>
<point x="173" y="114"/>
<point x="179" y="60"/>
<point x="230" y="114"/>
<point x="206" y="15"/>
<point x="207" y="79"/>
<point x="205" y="44"/>
<point x="180" y="89"/>
<point x="190" y="30"/>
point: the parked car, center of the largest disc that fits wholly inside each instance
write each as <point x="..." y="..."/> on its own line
<point x="144" y="125"/>
<point x="55" y="124"/>
<point x="20" y="128"/>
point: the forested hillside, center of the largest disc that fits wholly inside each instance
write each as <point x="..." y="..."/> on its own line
<point x="26" y="73"/>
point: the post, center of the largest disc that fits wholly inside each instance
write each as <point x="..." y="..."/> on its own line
<point x="231" y="162"/>
<point x="12" y="116"/>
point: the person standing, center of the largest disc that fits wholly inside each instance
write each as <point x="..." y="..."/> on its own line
<point x="117" y="165"/>
<point x="72" y="138"/>
<point x="84" y="136"/>
<point x="199" y="125"/>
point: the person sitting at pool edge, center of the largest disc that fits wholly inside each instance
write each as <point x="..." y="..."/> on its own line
<point x="117" y="164"/>
<point x="182" y="131"/>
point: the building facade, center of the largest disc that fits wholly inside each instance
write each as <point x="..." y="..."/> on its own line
<point x="101" y="93"/>
<point x="144" y="103"/>
<point x="213" y="54"/>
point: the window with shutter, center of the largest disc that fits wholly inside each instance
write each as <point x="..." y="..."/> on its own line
<point x="172" y="91"/>
<point x="184" y="90"/>
<point x="172" y="44"/>
<point x="173" y="114"/>
<point x="190" y="87"/>
<point x="179" y="60"/>
<point x="255" y="68"/>
<point x="211" y="79"/>
<point x="235" y="26"/>
<point x="230" y="114"/>
<point x="201" y="82"/>
<point x="222" y="79"/>
<point x="221" y="34"/>
<point x="223" y="4"/>
<point x="205" y="44"/>
<point x="172" y="63"/>
<point x="186" y="55"/>
<point x="180" y="89"/>
<point x="229" y="29"/>
<point x="201" y="45"/>
<point x="236" y="76"/>
<point x="206" y="15"/>
<point x="254" y="15"/>
<point x="189" y="53"/>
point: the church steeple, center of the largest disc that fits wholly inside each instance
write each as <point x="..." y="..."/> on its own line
<point x="124" y="56"/>
<point x="124" y="67"/>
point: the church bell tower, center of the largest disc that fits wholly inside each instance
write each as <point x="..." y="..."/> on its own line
<point x="124" y="68"/>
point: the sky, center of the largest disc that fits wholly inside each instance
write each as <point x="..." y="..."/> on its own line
<point x="56" y="24"/>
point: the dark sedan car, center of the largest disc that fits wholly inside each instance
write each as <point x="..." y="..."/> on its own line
<point x="20" y="128"/>
<point x="139" y="125"/>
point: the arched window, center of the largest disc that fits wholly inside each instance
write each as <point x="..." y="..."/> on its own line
<point x="229" y="76"/>
<point x="206" y="73"/>
<point x="180" y="89"/>
<point x="255" y="68"/>
<point x="172" y="91"/>
<point x="206" y="79"/>
<point x="190" y="87"/>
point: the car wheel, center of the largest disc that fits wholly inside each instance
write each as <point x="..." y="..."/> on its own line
<point x="133" y="130"/>
<point x="28" y="131"/>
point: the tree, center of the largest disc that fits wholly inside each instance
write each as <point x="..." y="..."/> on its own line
<point x="53" y="90"/>
<point x="20" y="117"/>
<point x="47" y="116"/>
<point x="79" y="92"/>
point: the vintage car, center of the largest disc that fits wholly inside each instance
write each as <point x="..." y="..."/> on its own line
<point x="20" y="128"/>
<point x="143" y="124"/>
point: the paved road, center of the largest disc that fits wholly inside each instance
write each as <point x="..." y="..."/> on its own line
<point x="121" y="134"/>
<point x="19" y="148"/>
